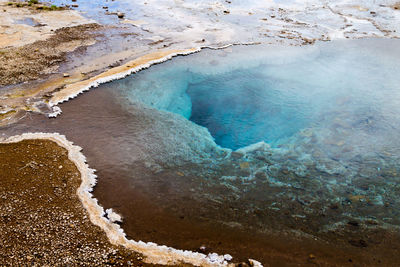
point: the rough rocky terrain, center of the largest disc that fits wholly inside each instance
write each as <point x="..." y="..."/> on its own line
<point x="25" y="22"/>
<point x="42" y="221"/>
<point x="178" y="25"/>
<point x="29" y="62"/>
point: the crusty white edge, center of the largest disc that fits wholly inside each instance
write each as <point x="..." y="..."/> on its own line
<point x="54" y="101"/>
<point x="153" y="253"/>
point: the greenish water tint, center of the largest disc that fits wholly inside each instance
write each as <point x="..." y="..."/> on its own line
<point x="257" y="94"/>
<point x="253" y="139"/>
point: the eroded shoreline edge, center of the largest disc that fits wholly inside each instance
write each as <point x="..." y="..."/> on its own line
<point x="155" y="254"/>
<point x="71" y="91"/>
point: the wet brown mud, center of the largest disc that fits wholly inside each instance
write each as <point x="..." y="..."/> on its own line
<point x="42" y="221"/>
<point x="159" y="207"/>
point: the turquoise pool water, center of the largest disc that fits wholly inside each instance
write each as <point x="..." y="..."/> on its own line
<point x="257" y="94"/>
<point x="252" y="139"/>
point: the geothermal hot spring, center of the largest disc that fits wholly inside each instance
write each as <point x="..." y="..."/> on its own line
<point x="223" y="147"/>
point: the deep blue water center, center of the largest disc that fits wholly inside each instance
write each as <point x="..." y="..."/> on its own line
<point x="242" y="107"/>
<point x="244" y="95"/>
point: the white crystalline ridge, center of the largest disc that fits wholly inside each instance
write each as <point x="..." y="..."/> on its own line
<point x="118" y="76"/>
<point x="289" y="21"/>
<point x="153" y="253"/>
<point x="113" y="216"/>
<point x="57" y="110"/>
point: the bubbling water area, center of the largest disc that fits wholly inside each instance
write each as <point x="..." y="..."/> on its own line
<point x="249" y="140"/>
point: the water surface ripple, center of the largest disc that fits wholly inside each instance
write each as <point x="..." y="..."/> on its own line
<point x="228" y="147"/>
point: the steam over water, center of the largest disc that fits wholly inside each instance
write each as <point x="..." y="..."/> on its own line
<point x="254" y="139"/>
<point x="271" y="94"/>
<point x="320" y="123"/>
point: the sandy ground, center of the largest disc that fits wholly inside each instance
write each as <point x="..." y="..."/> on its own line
<point x="31" y="61"/>
<point x="206" y="23"/>
<point x="33" y="44"/>
<point x="42" y="221"/>
<point x="24" y="25"/>
<point x="74" y="89"/>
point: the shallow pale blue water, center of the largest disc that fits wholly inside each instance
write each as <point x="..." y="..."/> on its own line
<point x="316" y="125"/>
<point x="269" y="94"/>
<point x="328" y="116"/>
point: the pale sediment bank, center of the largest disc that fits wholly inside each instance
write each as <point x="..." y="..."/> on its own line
<point x="11" y="108"/>
<point x="34" y="41"/>
<point x="292" y="23"/>
<point x="25" y="25"/>
<point x="154" y="254"/>
<point x="72" y="90"/>
<point x="41" y="58"/>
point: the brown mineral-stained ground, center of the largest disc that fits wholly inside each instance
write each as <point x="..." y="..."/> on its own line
<point x="22" y="23"/>
<point x="42" y="221"/>
<point x="29" y="62"/>
<point x="71" y="90"/>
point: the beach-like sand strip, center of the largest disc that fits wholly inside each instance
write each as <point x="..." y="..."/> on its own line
<point x="153" y="253"/>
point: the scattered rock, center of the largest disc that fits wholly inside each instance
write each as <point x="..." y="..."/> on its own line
<point x="29" y="62"/>
<point x="244" y="165"/>
<point x="228" y="257"/>
<point x="371" y="222"/>
<point x="237" y="155"/>
<point x="261" y="175"/>
<point x="334" y="206"/>
<point x="59" y="234"/>
<point x="353" y="223"/>
<point x="358" y="243"/>
<point x="255" y="263"/>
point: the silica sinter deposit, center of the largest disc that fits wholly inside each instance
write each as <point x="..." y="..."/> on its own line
<point x="247" y="149"/>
